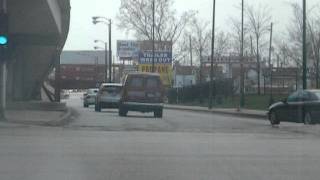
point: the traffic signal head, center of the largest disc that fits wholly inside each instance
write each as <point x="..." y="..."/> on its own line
<point x="4" y="30"/>
<point x="3" y="40"/>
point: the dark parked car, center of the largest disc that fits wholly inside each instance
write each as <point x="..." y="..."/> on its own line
<point x="301" y="107"/>
<point x="142" y="92"/>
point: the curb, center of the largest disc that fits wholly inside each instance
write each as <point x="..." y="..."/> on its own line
<point x="235" y="114"/>
<point x="64" y="119"/>
<point x="35" y="105"/>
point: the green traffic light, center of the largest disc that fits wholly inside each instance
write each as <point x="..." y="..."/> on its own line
<point x="3" y="40"/>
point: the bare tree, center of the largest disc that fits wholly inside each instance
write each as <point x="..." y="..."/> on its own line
<point x="235" y="35"/>
<point x="259" y="20"/>
<point x="136" y="16"/>
<point x="313" y="37"/>
<point x="283" y="53"/>
<point x="314" y="30"/>
<point x="223" y="43"/>
<point x="201" y="41"/>
<point x="182" y="48"/>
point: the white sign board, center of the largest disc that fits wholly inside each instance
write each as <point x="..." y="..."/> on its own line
<point x="128" y="49"/>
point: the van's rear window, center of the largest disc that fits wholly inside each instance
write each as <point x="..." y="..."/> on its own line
<point x="152" y="83"/>
<point x="136" y="82"/>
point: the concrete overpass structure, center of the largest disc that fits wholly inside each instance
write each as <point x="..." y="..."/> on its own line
<point x="38" y="31"/>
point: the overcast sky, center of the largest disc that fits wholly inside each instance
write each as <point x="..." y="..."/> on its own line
<point x="83" y="32"/>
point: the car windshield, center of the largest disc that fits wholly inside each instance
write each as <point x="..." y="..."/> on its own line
<point x="159" y="89"/>
<point x="317" y="94"/>
<point x="92" y="91"/>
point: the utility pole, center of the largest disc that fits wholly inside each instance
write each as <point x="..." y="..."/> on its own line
<point x="317" y="70"/>
<point x="251" y="46"/>
<point x="304" y="49"/>
<point x="110" y="52"/>
<point x="190" y="40"/>
<point x="153" y="24"/>
<point x="4" y="41"/>
<point x="241" y="60"/>
<point x="105" y="62"/>
<point x="200" y="76"/>
<point x="96" y="63"/>
<point x="270" y="66"/>
<point x="113" y="70"/>
<point x="57" y="88"/>
<point x="212" y="55"/>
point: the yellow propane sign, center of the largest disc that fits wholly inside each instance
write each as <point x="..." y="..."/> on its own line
<point x="165" y="71"/>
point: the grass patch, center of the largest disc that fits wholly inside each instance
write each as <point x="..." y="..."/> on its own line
<point x="255" y="102"/>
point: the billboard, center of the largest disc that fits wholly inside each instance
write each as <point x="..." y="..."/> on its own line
<point x="159" y="45"/>
<point x="127" y="49"/>
<point x="160" y="57"/>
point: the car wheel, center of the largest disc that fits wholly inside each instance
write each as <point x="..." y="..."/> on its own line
<point x="307" y="118"/>
<point x="97" y="107"/>
<point x="123" y="112"/>
<point x="158" y="113"/>
<point x="273" y="118"/>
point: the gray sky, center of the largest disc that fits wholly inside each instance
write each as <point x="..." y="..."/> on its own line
<point x="83" y="32"/>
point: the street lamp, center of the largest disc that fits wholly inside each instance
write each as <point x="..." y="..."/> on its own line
<point x="304" y="46"/>
<point x="271" y="66"/>
<point x="212" y="55"/>
<point x="108" y="22"/>
<point x="242" y="99"/>
<point x="153" y="27"/>
<point x="105" y="58"/>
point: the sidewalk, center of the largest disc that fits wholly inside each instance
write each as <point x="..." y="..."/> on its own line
<point x="234" y="112"/>
<point x="38" y="113"/>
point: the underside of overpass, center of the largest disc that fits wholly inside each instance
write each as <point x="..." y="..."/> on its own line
<point x="38" y="31"/>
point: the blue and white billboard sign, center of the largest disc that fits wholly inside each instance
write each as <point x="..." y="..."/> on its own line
<point x="160" y="57"/>
<point x="128" y="49"/>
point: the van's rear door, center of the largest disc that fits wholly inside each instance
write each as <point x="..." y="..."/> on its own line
<point x="153" y="89"/>
<point x="135" y="91"/>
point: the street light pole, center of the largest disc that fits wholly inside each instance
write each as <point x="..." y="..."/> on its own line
<point x="153" y="24"/>
<point x="110" y="52"/>
<point x="241" y="58"/>
<point x="304" y="49"/>
<point x="106" y="21"/>
<point x="190" y="46"/>
<point x="270" y="66"/>
<point x="317" y="70"/>
<point x="3" y="59"/>
<point x="212" y="55"/>
<point x="105" y="62"/>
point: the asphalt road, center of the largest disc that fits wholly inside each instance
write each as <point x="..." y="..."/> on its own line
<point x="181" y="146"/>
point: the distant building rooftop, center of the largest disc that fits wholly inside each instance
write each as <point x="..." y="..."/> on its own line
<point x="82" y="57"/>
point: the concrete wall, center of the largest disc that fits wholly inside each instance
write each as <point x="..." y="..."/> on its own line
<point x="39" y="29"/>
<point x="56" y="13"/>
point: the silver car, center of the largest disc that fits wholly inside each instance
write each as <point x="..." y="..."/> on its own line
<point x="89" y="98"/>
<point x="108" y="96"/>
